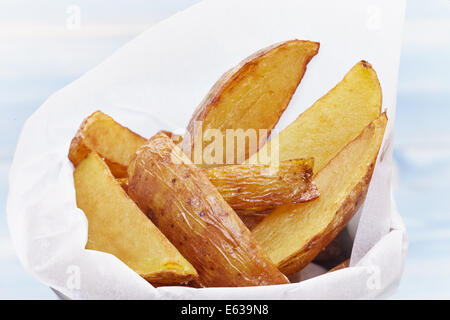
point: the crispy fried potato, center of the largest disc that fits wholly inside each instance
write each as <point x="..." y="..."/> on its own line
<point x="113" y="142"/>
<point x="260" y="187"/>
<point x="188" y="209"/>
<point x="332" y="121"/>
<point x="253" y="95"/>
<point x="117" y="226"/>
<point x="293" y="235"/>
<point x="253" y="189"/>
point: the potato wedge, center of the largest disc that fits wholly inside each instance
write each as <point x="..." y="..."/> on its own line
<point x="293" y="235"/>
<point x="119" y="227"/>
<point x="113" y="142"/>
<point x="253" y="95"/>
<point x="252" y="220"/>
<point x="336" y="251"/>
<point x="176" y="138"/>
<point x="253" y="189"/>
<point x="188" y="209"/>
<point x="332" y="121"/>
<point x="260" y="187"/>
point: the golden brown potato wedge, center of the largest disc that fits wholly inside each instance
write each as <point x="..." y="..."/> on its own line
<point x="176" y="138"/>
<point x="260" y="187"/>
<point x="253" y="95"/>
<point x="113" y="142"/>
<point x="293" y="235"/>
<point x="189" y="210"/>
<point x="253" y="189"/>
<point x="332" y="121"/>
<point x="117" y="226"/>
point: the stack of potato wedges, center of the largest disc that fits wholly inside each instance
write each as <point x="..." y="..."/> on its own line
<point x="200" y="211"/>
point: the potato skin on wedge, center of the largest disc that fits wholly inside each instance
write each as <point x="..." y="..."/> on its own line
<point x="293" y="235"/>
<point x="112" y="141"/>
<point x="117" y="226"/>
<point x="261" y="187"/>
<point x="253" y="95"/>
<point x="332" y="121"/>
<point x="189" y="210"/>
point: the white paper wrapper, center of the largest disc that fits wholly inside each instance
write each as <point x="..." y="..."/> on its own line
<point x="155" y="82"/>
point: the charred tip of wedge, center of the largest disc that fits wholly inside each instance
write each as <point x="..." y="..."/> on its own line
<point x="366" y="64"/>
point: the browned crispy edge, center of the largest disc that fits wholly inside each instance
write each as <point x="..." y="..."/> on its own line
<point x="310" y="193"/>
<point x="268" y="273"/>
<point x="78" y="150"/>
<point x="123" y="183"/>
